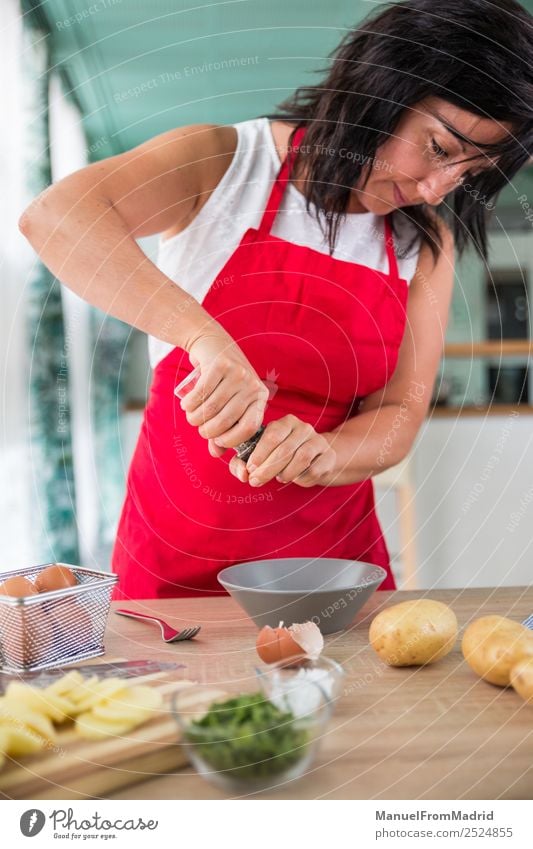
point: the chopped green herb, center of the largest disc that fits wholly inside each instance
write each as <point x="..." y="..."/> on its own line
<point x="248" y="737"/>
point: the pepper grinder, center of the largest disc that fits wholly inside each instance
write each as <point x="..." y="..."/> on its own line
<point x="244" y="449"/>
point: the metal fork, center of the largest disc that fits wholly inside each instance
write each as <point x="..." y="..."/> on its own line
<point x="169" y="634"/>
<point x="528" y="622"/>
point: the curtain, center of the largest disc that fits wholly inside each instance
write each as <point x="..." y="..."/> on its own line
<point x="54" y="507"/>
<point x="98" y="364"/>
<point x="75" y="398"/>
<point x="16" y="521"/>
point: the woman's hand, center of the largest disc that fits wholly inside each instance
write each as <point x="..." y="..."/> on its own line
<point x="289" y="450"/>
<point x="228" y="401"/>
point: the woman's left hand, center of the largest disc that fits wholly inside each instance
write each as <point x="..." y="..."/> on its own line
<point x="289" y="450"/>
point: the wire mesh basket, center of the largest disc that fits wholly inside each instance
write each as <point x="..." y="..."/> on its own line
<point x="58" y="627"/>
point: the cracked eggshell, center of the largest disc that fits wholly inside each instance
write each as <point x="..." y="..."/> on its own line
<point x="292" y="645"/>
<point x="309" y="638"/>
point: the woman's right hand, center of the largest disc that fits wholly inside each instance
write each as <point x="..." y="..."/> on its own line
<point x="229" y="399"/>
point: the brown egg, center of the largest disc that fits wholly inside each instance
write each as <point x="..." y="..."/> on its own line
<point x="18" y="587"/>
<point x="55" y="578"/>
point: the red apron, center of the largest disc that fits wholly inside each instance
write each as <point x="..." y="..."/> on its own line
<point x="323" y="333"/>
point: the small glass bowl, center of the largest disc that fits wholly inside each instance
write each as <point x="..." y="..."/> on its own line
<point x="257" y="753"/>
<point x="327" y="674"/>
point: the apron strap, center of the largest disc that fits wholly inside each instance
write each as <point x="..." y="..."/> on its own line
<point x="279" y="186"/>
<point x="276" y="195"/>
<point x="389" y="243"/>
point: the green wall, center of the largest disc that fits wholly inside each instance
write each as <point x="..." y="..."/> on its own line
<point x="138" y="68"/>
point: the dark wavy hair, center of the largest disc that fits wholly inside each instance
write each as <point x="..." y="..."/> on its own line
<point x="475" y="54"/>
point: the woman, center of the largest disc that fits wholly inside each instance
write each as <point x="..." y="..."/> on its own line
<point x="279" y="277"/>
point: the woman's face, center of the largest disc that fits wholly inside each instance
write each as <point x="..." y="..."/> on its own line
<point x="419" y="163"/>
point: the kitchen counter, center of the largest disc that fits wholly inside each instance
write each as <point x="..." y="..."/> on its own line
<point x="437" y="732"/>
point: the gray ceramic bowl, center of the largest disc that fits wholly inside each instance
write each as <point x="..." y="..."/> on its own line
<point x="326" y="590"/>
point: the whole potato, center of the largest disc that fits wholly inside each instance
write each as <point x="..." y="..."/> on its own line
<point x="486" y="626"/>
<point x="522" y="678"/>
<point x="492" y="649"/>
<point x="414" y="633"/>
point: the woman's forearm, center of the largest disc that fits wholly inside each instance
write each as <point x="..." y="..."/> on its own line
<point x="371" y="442"/>
<point x="89" y="248"/>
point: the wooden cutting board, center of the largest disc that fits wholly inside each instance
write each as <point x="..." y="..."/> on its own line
<point x="76" y="768"/>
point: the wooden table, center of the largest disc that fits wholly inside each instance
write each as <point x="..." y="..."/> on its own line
<point x="416" y="733"/>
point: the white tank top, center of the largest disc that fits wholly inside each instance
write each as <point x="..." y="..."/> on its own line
<point x="194" y="257"/>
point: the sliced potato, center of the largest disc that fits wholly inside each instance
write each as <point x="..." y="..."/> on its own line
<point x="14" y="713"/>
<point x="23" y="741"/>
<point x="115" y="710"/>
<point x="91" y="727"/>
<point x="4" y="741"/>
<point x="107" y="707"/>
<point x="119" y="712"/>
<point x="105" y="689"/>
<point x="136" y="705"/>
<point x="52" y="705"/>
<point x="148" y="697"/>
<point x="70" y="681"/>
<point x="80" y="691"/>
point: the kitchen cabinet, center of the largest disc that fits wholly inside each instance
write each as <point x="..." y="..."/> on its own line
<point x="473" y="501"/>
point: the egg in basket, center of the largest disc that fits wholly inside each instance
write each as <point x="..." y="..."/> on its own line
<point x="51" y="615"/>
